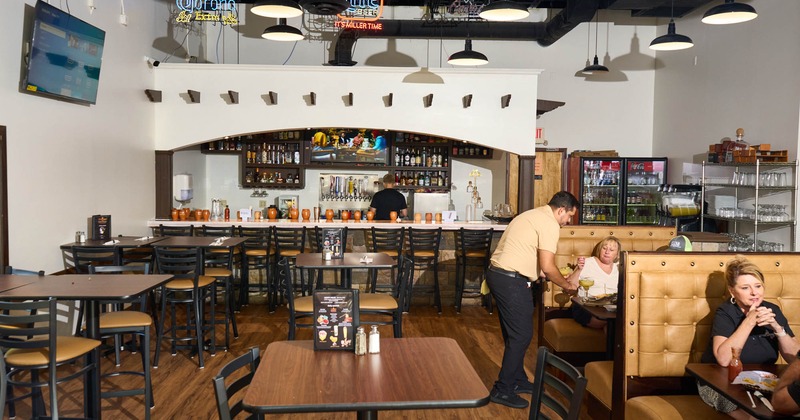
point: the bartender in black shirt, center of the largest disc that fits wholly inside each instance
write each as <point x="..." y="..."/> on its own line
<point x="388" y="200"/>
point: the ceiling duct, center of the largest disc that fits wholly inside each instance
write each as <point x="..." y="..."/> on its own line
<point x="545" y="33"/>
<point x="324" y="7"/>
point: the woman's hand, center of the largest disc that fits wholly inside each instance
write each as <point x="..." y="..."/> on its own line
<point x="581" y="262"/>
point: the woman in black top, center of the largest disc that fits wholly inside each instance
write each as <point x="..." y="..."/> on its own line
<point x="747" y="322"/>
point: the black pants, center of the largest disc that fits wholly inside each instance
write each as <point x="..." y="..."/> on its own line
<point x="515" y="308"/>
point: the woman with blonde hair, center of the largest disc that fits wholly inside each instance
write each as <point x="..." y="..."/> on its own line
<point x="602" y="268"/>
<point x="749" y="323"/>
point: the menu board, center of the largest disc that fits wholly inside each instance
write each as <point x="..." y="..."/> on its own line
<point x="101" y="227"/>
<point x="333" y="241"/>
<point x="335" y="318"/>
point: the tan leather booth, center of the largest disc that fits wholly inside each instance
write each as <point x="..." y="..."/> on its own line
<point x="665" y="317"/>
<point x="556" y="329"/>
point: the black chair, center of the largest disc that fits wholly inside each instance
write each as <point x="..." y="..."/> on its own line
<point x="423" y="250"/>
<point x="83" y="257"/>
<point x="3" y="385"/>
<point x="473" y="248"/>
<point x="391" y="305"/>
<point x="188" y="287"/>
<point x="136" y="322"/>
<point x="258" y="254"/>
<point x="318" y="242"/>
<point x="21" y="272"/>
<point x="557" y="390"/>
<point x="300" y="308"/>
<point x="20" y="320"/>
<point x="162" y="230"/>
<point x="248" y="363"/>
<point x="390" y="242"/>
<point x="289" y="242"/>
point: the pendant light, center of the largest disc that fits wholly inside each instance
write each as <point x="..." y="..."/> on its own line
<point x="504" y="11"/>
<point x="468" y="57"/>
<point x="671" y="41"/>
<point x="277" y="9"/>
<point x="728" y="13"/>
<point x="596" y="67"/>
<point x="282" y="32"/>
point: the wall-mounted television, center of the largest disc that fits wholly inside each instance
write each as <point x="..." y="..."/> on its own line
<point x="65" y="56"/>
<point x="349" y="145"/>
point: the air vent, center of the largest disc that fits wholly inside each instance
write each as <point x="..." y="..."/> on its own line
<point x="324" y="7"/>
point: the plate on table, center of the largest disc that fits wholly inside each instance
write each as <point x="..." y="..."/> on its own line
<point x="610" y="308"/>
<point x="602" y="300"/>
<point x="757" y="380"/>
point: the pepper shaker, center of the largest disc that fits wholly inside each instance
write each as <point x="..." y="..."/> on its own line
<point x="361" y="342"/>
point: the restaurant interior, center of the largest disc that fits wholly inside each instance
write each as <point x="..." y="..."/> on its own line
<point x="186" y="92"/>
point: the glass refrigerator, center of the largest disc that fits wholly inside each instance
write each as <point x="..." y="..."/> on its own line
<point x="643" y="176"/>
<point x="616" y="190"/>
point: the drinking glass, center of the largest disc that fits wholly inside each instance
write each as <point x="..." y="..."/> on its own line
<point x="586" y="283"/>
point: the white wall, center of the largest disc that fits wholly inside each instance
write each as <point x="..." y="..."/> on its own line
<point x="67" y="162"/>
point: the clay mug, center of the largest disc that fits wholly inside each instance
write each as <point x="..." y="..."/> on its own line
<point x="428" y="217"/>
<point x="345" y="216"/>
<point x="370" y="216"/>
<point x="306" y="214"/>
<point x="272" y="214"/>
<point x="438" y="217"/>
<point x="329" y="215"/>
<point x="357" y="216"/>
<point x="293" y="214"/>
<point x="186" y="213"/>
<point x="393" y="216"/>
<point x="206" y="214"/>
<point x="257" y="215"/>
<point x="174" y="214"/>
<point x="417" y="218"/>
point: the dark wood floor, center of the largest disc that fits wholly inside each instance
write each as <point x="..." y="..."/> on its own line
<point x="184" y="391"/>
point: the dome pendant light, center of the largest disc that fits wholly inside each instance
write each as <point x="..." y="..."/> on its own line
<point x="277" y="9"/>
<point x="671" y="41"/>
<point x="503" y="11"/>
<point x="596" y="67"/>
<point x="282" y="32"/>
<point x="728" y="13"/>
<point x="467" y="57"/>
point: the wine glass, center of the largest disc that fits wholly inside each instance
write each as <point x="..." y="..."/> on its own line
<point x="586" y="283"/>
<point x="333" y="339"/>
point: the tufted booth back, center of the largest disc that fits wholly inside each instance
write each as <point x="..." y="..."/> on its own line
<point x="668" y="307"/>
<point x="576" y="241"/>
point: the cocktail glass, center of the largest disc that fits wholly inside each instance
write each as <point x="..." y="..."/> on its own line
<point x="586" y="283"/>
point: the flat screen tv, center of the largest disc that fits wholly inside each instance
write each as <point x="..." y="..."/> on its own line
<point x="349" y="145"/>
<point x="65" y="56"/>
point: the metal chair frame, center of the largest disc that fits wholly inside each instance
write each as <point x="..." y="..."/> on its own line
<point x="248" y="363"/>
<point x="389" y="241"/>
<point x="471" y="246"/>
<point x="557" y="389"/>
<point x="425" y="240"/>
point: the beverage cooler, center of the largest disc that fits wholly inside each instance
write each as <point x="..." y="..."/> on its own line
<point x="616" y="190"/>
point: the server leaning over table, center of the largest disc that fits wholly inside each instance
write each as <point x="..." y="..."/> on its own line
<point x="527" y="247"/>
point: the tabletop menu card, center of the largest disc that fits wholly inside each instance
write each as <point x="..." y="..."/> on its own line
<point x="333" y="241"/>
<point x="335" y="318"/>
<point x="101" y="227"/>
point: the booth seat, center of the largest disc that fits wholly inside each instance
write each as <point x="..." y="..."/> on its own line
<point x="665" y="317"/>
<point x="556" y="329"/>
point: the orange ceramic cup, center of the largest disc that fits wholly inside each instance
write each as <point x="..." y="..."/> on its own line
<point x="345" y="215"/>
<point x="357" y="216"/>
<point x="370" y="216"/>
<point x="438" y="217"/>
<point x="393" y="216"/>
<point x="428" y="217"/>
<point x="306" y="214"/>
<point x="417" y="218"/>
<point x="257" y="216"/>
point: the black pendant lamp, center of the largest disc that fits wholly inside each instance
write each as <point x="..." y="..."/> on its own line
<point x="672" y="41"/>
<point x="504" y="11"/>
<point x="468" y="57"/>
<point x="728" y="13"/>
<point x="596" y="67"/>
<point x="277" y="9"/>
<point x="282" y="32"/>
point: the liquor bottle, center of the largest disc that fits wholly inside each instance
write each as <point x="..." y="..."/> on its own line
<point x="227" y="213"/>
<point x="429" y="160"/>
<point x="420" y="179"/>
<point x="398" y="161"/>
<point x="424" y="157"/>
<point x="296" y="155"/>
<point x="407" y="158"/>
<point x="397" y="178"/>
<point x="264" y="154"/>
<point x="427" y="179"/>
<point x="403" y="178"/>
<point x="289" y="179"/>
<point x="418" y="158"/>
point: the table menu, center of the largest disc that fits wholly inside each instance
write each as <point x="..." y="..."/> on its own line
<point x="335" y="318"/>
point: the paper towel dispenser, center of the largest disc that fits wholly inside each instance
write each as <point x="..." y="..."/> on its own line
<point x="182" y="187"/>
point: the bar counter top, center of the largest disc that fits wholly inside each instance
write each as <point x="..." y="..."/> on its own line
<point x="500" y="227"/>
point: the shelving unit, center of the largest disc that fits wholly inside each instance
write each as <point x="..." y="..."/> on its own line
<point x="601" y="205"/>
<point x="421" y="162"/>
<point x="273" y="160"/>
<point x="764" y="197"/>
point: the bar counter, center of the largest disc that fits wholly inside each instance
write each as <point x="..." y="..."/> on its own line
<point x="499" y="227"/>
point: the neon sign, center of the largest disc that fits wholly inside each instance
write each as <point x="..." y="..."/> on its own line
<point x="207" y="10"/>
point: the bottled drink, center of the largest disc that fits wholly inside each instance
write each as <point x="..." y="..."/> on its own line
<point x="374" y="340"/>
<point x="264" y="154"/>
<point x="227" y="214"/>
<point x="735" y="365"/>
<point x="470" y="212"/>
<point x="418" y="158"/>
<point x="407" y="158"/>
<point x="296" y="154"/>
<point x="397" y="158"/>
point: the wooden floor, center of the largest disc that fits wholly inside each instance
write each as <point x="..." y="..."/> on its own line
<point x="183" y="391"/>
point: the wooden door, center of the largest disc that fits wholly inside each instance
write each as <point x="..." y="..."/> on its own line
<point x="549" y="174"/>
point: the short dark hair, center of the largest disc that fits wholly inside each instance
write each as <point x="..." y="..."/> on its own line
<point x="563" y="199"/>
<point x="388" y="179"/>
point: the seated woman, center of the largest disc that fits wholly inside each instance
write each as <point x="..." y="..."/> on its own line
<point x="749" y="323"/>
<point x="602" y="268"/>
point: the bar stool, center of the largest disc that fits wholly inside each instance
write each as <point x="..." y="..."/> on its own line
<point x="185" y="265"/>
<point x="83" y="257"/>
<point x="220" y="263"/>
<point x="257" y="254"/>
<point x="390" y="242"/>
<point x="289" y="242"/>
<point x="423" y="251"/>
<point x="473" y="248"/>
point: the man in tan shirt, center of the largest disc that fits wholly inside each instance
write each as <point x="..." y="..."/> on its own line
<point x="527" y="247"/>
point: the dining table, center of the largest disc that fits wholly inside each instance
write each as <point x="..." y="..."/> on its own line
<point x="716" y="377"/>
<point x="348" y="262"/>
<point x="91" y="289"/>
<point x="408" y="374"/>
<point x="602" y="313"/>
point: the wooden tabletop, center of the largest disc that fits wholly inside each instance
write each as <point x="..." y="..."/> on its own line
<point x="121" y="242"/>
<point x="597" y="311"/>
<point x="12" y="281"/>
<point x="85" y="286"/>
<point x="716" y="377"/>
<point x="408" y="373"/>
<point x="199" y="241"/>
<point x="350" y="260"/>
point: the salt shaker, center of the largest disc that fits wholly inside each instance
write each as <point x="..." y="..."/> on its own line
<point x="361" y="342"/>
<point x="374" y="340"/>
